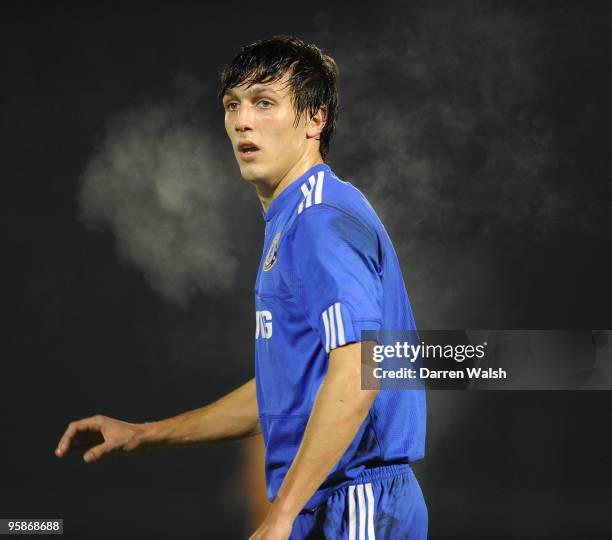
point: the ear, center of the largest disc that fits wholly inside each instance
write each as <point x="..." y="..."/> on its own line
<point x="316" y="124"/>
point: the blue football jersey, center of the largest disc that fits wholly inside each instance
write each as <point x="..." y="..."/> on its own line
<point x="328" y="271"/>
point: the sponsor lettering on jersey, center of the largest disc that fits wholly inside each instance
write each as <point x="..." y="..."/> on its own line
<point x="263" y="322"/>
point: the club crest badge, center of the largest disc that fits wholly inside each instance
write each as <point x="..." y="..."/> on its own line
<point x="272" y="253"/>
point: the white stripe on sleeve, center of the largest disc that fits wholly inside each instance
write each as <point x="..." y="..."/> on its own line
<point x="319" y="188"/>
<point x="332" y="327"/>
<point x="341" y="340"/>
<point x="326" y="324"/>
<point x="309" y="195"/>
<point x="305" y="190"/>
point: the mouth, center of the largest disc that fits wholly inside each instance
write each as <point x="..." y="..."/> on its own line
<point x="248" y="151"/>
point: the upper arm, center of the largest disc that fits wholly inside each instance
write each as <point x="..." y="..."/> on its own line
<point x="345" y="368"/>
<point x="346" y="359"/>
<point x="335" y="266"/>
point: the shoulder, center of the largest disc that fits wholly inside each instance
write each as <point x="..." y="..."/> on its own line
<point x="330" y="205"/>
<point x="325" y="187"/>
<point x="327" y="232"/>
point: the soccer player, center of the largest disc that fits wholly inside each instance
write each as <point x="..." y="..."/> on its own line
<point x="337" y="457"/>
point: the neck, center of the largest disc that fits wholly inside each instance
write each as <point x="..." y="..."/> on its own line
<point x="268" y="192"/>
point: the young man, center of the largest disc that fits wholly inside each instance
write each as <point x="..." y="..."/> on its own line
<point x="337" y="457"/>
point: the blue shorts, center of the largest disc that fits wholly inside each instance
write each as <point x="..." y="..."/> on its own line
<point x="384" y="503"/>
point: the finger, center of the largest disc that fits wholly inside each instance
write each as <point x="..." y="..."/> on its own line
<point x="93" y="422"/>
<point x="97" y="452"/>
<point x="64" y="445"/>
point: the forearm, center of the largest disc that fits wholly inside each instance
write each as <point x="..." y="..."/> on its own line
<point x="232" y="417"/>
<point x="338" y="412"/>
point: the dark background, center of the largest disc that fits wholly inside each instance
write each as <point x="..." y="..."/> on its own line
<point x="478" y="130"/>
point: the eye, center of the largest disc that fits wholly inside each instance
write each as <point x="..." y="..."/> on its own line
<point x="230" y="106"/>
<point x="265" y="102"/>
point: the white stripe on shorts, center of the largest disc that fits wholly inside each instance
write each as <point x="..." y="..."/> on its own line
<point x="357" y="512"/>
<point x="370" y="497"/>
<point x="351" y="502"/>
<point x="362" y="512"/>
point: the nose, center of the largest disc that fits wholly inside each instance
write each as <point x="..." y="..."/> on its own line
<point x="244" y="118"/>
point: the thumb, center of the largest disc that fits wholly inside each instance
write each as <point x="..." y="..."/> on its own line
<point x="97" y="452"/>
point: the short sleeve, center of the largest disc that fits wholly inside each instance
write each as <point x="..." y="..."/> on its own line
<point x="336" y="274"/>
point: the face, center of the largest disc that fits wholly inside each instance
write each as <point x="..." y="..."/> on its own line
<point x="263" y="117"/>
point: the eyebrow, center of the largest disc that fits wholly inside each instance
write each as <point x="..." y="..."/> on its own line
<point x="255" y="89"/>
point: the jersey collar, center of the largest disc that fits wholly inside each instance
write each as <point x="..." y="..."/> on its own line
<point x="284" y="196"/>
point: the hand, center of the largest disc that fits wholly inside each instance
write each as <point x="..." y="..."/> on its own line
<point x="273" y="528"/>
<point x="100" y="435"/>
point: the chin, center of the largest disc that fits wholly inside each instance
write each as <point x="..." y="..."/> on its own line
<point x="246" y="170"/>
<point x="250" y="172"/>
